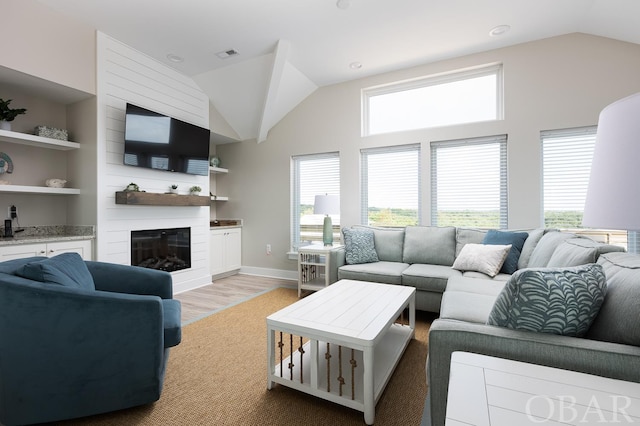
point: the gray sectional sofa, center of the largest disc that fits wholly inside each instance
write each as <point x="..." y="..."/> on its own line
<point x="610" y="347"/>
<point x="423" y="256"/>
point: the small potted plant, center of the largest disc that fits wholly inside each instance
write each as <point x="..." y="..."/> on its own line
<point x="132" y="187"/>
<point x="173" y="189"/>
<point x="195" y="190"/>
<point x="7" y="115"/>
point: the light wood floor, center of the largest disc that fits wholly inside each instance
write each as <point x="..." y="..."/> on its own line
<point x="223" y="292"/>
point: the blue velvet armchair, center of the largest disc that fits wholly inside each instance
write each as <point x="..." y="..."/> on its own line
<point x="80" y="338"/>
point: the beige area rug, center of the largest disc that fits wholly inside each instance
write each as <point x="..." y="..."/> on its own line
<point x="217" y="376"/>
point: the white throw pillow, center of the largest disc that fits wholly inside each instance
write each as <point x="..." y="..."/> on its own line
<point x="485" y="258"/>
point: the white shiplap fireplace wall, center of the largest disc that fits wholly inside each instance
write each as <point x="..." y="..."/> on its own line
<point x="126" y="75"/>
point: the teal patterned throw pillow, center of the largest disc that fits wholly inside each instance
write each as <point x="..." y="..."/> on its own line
<point x="551" y="300"/>
<point x="359" y="246"/>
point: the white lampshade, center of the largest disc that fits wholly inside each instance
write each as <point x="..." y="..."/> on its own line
<point x="326" y="204"/>
<point x="613" y="194"/>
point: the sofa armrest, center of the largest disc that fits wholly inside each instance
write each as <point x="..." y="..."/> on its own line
<point x="338" y="260"/>
<point x="131" y="279"/>
<point x="570" y="353"/>
<point x="87" y="343"/>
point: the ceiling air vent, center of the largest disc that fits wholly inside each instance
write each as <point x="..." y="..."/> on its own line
<point x="227" y="53"/>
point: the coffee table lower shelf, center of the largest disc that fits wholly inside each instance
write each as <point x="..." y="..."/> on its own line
<point x="321" y="378"/>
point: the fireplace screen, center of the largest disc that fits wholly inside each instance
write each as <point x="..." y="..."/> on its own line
<point x="164" y="249"/>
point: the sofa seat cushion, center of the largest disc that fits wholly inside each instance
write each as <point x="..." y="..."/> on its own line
<point x="171" y="317"/>
<point x="66" y="269"/>
<point x="474" y="274"/>
<point x="617" y="320"/>
<point x="377" y="272"/>
<point x="562" y="301"/>
<point x="469" y="299"/>
<point x="428" y="277"/>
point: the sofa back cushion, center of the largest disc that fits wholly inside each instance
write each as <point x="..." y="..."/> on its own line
<point x="66" y="269"/>
<point x="545" y="248"/>
<point x="429" y="244"/>
<point x="389" y="242"/>
<point x="529" y="245"/>
<point x="468" y="236"/>
<point x="617" y="320"/>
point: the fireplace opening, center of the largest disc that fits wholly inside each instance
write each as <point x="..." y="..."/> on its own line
<point x="164" y="249"/>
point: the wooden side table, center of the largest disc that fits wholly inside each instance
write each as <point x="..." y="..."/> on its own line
<point x="314" y="267"/>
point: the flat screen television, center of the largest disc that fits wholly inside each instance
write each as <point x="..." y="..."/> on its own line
<point x="156" y="141"/>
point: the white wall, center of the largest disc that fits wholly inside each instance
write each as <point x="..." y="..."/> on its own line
<point x="554" y="83"/>
<point x="126" y="75"/>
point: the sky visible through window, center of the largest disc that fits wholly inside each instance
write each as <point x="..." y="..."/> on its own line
<point x="462" y="101"/>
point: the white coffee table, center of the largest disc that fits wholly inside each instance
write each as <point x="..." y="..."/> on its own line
<point x="343" y="342"/>
<point x="490" y="391"/>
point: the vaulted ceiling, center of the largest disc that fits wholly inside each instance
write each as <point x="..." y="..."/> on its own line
<point x="286" y="49"/>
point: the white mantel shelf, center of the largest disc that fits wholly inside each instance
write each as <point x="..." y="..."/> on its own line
<point x="39" y="141"/>
<point x="26" y="189"/>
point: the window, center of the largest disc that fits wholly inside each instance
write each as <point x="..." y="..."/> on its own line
<point x="312" y="175"/>
<point x="461" y="97"/>
<point x="391" y="186"/>
<point x="469" y="182"/>
<point x="566" y="166"/>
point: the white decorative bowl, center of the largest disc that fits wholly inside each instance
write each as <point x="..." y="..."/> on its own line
<point x="55" y="183"/>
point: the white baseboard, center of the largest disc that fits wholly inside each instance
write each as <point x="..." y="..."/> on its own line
<point x="270" y="273"/>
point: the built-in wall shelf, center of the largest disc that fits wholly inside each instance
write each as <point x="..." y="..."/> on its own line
<point x="219" y="198"/>
<point x="26" y="189"/>
<point x="38" y="141"/>
<point x="155" y="199"/>
<point x="218" y="170"/>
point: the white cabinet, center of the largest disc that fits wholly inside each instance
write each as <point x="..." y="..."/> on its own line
<point x="19" y="251"/>
<point x="226" y="249"/>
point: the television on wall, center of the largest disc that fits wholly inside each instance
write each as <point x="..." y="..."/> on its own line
<point x="160" y="142"/>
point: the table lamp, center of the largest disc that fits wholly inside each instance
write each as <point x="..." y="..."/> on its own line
<point x="327" y="205"/>
<point x="613" y="194"/>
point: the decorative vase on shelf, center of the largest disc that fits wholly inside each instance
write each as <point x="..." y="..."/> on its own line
<point x="5" y="125"/>
<point x="215" y="162"/>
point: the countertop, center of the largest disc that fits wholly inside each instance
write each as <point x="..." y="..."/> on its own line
<point x="48" y="233"/>
<point x="225" y="223"/>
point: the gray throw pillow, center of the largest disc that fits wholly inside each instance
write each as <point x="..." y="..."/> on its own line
<point x="551" y="300"/>
<point x="359" y="246"/>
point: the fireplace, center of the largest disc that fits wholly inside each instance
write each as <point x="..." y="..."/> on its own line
<point x="164" y="249"/>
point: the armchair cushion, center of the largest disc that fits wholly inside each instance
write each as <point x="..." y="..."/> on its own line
<point x="66" y="269"/>
<point x="171" y="322"/>
<point x="561" y="301"/>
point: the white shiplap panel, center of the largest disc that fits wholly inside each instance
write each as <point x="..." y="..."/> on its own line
<point x="126" y="75"/>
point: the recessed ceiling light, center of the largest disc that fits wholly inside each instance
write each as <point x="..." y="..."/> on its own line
<point x="355" y="65"/>
<point x="343" y="4"/>
<point x="227" y="53"/>
<point x="499" y="30"/>
<point x="175" y="58"/>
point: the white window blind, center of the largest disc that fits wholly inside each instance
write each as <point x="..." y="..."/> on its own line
<point x="463" y="96"/>
<point x="390" y="186"/>
<point x="566" y="165"/>
<point x="312" y="175"/>
<point x="469" y="182"/>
